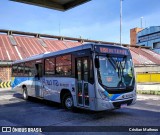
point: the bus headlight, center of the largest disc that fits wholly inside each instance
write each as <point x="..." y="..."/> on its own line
<point x="104" y="95"/>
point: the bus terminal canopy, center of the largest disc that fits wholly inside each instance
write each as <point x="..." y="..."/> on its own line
<point x="61" y="5"/>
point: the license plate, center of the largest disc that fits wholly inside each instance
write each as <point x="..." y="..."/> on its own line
<point x="123" y="105"/>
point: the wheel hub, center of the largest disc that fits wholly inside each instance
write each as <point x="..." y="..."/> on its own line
<point x="24" y="94"/>
<point x="68" y="102"/>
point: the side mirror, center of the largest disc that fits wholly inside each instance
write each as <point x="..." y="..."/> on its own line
<point x="96" y="61"/>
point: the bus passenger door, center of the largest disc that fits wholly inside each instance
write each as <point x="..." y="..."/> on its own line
<point x="38" y="76"/>
<point x="82" y="75"/>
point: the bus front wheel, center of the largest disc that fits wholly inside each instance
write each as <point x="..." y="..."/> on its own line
<point x="25" y="93"/>
<point x="67" y="101"/>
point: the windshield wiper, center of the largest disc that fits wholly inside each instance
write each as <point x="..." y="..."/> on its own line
<point x="112" y="62"/>
<point x="121" y="72"/>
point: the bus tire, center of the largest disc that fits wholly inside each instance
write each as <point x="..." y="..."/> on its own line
<point x="67" y="101"/>
<point x="25" y="93"/>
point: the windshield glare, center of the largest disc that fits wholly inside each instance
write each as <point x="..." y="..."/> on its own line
<point x="115" y="71"/>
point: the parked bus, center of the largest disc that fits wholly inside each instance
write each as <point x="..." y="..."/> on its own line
<point x="91" y="76"/>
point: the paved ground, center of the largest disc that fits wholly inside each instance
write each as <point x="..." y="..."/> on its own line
<point x="14" y="111"/>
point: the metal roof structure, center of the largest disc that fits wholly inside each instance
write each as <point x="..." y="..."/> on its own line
<point x="61" y="5"/>
<point x="16" y="45"/>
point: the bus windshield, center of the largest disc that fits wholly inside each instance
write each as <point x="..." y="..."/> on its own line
<point x="116" y="72"/>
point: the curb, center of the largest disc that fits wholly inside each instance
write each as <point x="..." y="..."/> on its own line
<point x="5" y="89"/>
<point x="149" y="92"/>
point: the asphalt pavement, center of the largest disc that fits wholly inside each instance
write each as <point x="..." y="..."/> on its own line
<point x="14" y="111"/>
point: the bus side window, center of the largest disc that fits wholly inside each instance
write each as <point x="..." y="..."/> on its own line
<point x="14" y="70"/>
<point x="28" y="68"/>
<point x="20" y="69"/>
<point x="63" y="65"/>
<point x="49" y="66"/>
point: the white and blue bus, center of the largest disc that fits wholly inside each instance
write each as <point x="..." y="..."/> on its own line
<point x="91" y="76"/>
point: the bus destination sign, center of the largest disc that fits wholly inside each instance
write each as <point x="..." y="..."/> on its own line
<point x="113" y="50"/>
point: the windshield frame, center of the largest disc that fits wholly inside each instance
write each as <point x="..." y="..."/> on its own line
<point x="116" y="89"/>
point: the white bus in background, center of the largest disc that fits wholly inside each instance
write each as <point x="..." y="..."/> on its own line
<point x="92" y="76"/>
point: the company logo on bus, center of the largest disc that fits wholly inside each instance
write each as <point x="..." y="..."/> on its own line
<point x="50" y="82"/>
<point x="113" y="51"/>
<point x="109" y="79"/>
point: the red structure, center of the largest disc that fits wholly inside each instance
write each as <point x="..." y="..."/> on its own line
<point x="133" y="35"/>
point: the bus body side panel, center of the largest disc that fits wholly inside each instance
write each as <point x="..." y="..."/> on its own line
<point x="19" y="82"/>
<point x="52" y="86"/>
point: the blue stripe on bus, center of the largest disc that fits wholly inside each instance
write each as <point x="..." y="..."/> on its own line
<point x="18" y="80"/>
<point x="112" y="96"/>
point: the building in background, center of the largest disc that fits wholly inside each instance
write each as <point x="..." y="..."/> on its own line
<point x="16" y="45"/>
<point x="150" y="37"/>
<point x="133" y="35"/>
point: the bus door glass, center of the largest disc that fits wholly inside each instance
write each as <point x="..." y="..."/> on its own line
<point x="39" y="71"/>
<point x="38" y="75"/>
<point x="82" y="74"/>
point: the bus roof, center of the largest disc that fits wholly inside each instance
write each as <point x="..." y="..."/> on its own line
<point x="77" y="48"/>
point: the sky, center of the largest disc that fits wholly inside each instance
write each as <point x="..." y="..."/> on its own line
<point x="95" y="20"/>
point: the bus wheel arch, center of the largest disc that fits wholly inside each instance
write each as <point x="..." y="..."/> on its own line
<point x="66" y="99"/>
<point x="24" y="92"/>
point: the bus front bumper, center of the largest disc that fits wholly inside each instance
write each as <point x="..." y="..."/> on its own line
<point x="109" y="105"/>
